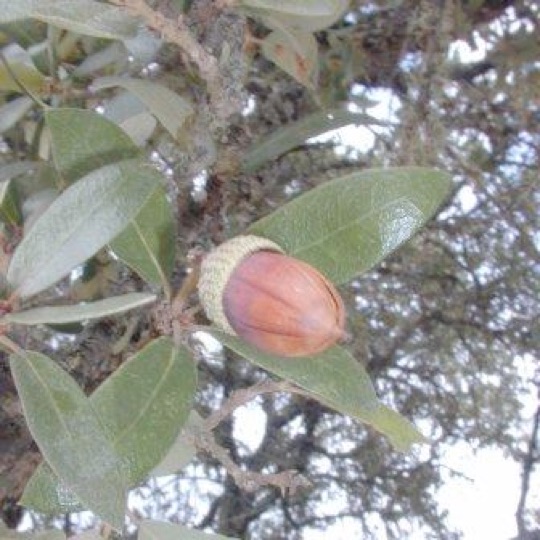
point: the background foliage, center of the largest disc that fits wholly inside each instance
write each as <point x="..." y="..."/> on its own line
<point x="206" y="111"/>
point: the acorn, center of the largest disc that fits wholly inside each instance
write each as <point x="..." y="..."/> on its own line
<point x="249" y="288"/>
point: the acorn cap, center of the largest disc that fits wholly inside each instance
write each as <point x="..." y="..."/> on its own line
<point x="216" y="269"/>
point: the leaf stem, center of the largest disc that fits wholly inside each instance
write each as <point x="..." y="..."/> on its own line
<point x="10" y="346"/>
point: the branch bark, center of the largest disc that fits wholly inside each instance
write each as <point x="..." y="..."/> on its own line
<point x="529" y="461"/>
<point x="177" y="32"/>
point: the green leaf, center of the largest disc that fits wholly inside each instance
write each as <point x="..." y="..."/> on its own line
<point x="70" y="435"/>
<point x="144" y="405"/>
<point x="183" y="449"/>
<point x="17" y="168"/>
<point x="45" y="493"/>
<point x="15" y="11"/>
<point x="80" y="312"/>
<point x="297" y="133"/>
<point x="13" y="111"/>
<point x="88" y="535"/>
<point x="22" y="66"/>
<point x="79" y="16"/>
<point x="139" y="127"/>
<point x="146" y="402"/>
<point x="336" y="379"/>
<point x="10" y="211"/>
<point x="161" y="530"/>
<point x="114" y="53"/>
<point x="295" y="52"/>
<point x="10" y="534"/>
<point x="83" y="140"/>
<point x="148" y="244"/>
<point x="169" y="108"/>
<point x="87" y="216"/>
<point x="348" y="225"/>
<point x="311" y="17"/>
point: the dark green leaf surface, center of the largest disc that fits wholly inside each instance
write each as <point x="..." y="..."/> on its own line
<point x="80" y="312"/>
<point x="348" y="225"/>
<point x="144" y="405"/>
<point x="10" y="212"/>
<point x="336" y="379"/>
<point x="70" y="435"/>
<point x="297" y="133"/>
<point x="83" y="140"/>
<point x="21" y="64"/>
<point x="160" y="530"/>
<point x="88" y="215"/>
<point x="147" y="244"/>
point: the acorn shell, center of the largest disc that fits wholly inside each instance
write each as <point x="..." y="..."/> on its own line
<point x="283" y="306"/>
<point x="280" y="304"/>
<point x="216" y="269"/>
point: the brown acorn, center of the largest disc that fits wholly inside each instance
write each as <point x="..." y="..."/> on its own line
<point x="277" y="303"/>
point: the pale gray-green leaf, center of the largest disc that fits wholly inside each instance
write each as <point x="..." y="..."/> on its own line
<point x="17" y="168"/>
<point x="297" y="133"/>
<point x="83" y="140"/>
<point x="14" y="11"/>
<point x="50" y="534"/>
<point x="295" y="52"/>
<point x="313" y="8"/>
<point x="45" y="493"/>
<point x="70" y="435"/>
<point x="144" y="46"/>
<point x="94" y="534"/>
<point x="183" y="449"/>
<point x="348" y="225"/>
<point x="170" y="109"/>
<point x="87" y="216"/>
<point x="12" y="111"/>
<point x="80" y="312"/>
<point x="115" y="53"/>
<point x="85" y="17"/>
<point x="336" y="379"/>
<point x="145" y="404"/>
<point x="331" y="12"/>
<point x="139" y="127"/>
<point x="161" y="530"/>
<point x="148" y="245"/>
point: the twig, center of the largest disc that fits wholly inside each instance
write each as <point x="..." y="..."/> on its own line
<point x="179" y="318"/>
<point x="10" y="346"/>
<point x="529" y="461"/>
<point x="243" y="396"/>
<point x="178" y="33"/>
<point x="289" y="481"/>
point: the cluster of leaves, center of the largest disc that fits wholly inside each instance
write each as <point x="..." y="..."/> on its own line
<point x="105" y="193"/>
